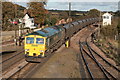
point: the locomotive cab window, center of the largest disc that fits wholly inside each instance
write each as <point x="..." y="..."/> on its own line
<point x="39" y="41"/>
<point x="29" y="40"/>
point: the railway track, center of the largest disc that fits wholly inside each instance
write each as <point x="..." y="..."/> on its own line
<point x="21" y="68"/>
<point x="7" y="42"/>
<point x="96" y="65"/>
<point x="32" y="70"/>
<point x="9" y="64"/>
<point x="9" y="74"/>
<point x="103" y="50"/>
<point x="109" y="44"/>
<point x="12" y="57"/>
<point x="92" y="66"/>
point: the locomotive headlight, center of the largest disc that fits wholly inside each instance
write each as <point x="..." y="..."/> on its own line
<point x="41" y="51"/>
<point x="26" y="49"/>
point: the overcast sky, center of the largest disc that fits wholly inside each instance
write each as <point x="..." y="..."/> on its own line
<point x="80" y="5"/>
<point x="84" y="6"/>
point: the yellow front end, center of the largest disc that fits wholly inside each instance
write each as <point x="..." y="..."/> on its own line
<point x="35" y="46"/>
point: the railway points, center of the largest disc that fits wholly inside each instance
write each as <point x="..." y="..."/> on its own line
<point x="109" y="69"/>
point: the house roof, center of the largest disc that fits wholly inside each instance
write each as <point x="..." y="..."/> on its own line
<point x="107" y="14"/>
<point x="27" y="15"/>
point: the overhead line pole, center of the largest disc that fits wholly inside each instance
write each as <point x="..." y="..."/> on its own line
<point x="67" y="43"/>
<point x="69" y="9"/>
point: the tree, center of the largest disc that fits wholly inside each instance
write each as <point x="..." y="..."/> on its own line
<point x="37" y="10"/>
<point x="10" y="11"/>
<point x="63" y="15"/>
<point x="94" y="13"/>
<point x="118" y="26"/>
<point x="20" y="11"/>
<point x="117" y="13"/>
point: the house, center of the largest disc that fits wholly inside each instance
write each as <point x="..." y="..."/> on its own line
<point x="29" y="22"/>
<point x="107" y="17"/>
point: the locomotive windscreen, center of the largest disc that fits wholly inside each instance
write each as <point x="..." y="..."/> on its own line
<point x="39" y="41"/>
<point x="29" y="40"/>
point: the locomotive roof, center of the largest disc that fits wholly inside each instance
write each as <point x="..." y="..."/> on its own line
<point x="47" y="31"/>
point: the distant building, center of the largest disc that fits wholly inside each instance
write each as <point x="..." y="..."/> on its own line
<point x="106" y="19"/>
<point x="29" y="22"/>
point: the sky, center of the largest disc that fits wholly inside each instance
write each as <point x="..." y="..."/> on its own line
<point x="79" y="5"/>
<point x="84" y="6"/>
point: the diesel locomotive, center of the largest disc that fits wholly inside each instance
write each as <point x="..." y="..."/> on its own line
<point x="40" y="43"/>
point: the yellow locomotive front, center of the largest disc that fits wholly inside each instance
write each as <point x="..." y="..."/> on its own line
<point x="35" y="46"/>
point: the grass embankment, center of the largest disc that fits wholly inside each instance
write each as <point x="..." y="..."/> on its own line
<point x="110" y="47"/>
<point x="109" y="41"/>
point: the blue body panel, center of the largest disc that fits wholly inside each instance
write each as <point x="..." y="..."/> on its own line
<point x="47" y="32"/>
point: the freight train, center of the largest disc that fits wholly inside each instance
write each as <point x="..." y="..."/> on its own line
<point x="41" y="43"/>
